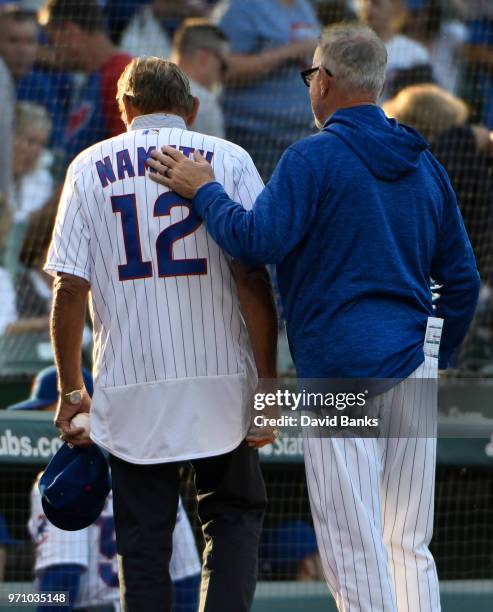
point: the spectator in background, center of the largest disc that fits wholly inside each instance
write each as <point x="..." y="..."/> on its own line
<point x="19" y="47"/>
<point x="19" y="33"/>
<point x="8" y="96"/>
<point x="18" y="40"/>
<point x="427" y="108"/>
<point x="77" y="33"/>
<point x="33" y="182"/>
<point x="200" y="49"/>
<point x="33" y="285"/>
<point x="84" y="562"/>
<point x="7" y="99"/>
<point x="118" y="14"/>
<point x="408" y="60"/>
<point x="443" y="37"/>
<point x="32" y="160"/>
<point x="8" y="312"/>
<point x="478" y="53"/>
<point x="5" y="540"/>
<point x="265" y="103"/>
<point x="150" y="30"/>
<point x="465" y="151"/>
<point x="333" y="11"/>
<point x="289" y="552"/>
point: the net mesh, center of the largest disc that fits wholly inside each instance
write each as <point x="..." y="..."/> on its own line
<point x="58" y="73"/>
<point x="462" y="543"/>
<point x="58" y="98"/>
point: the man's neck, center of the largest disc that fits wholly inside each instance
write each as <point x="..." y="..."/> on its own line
<point x="363" y="101"/>
<point x="159" y="119"/>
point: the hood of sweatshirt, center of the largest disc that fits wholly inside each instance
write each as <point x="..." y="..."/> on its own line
<point x="390" y="150"/>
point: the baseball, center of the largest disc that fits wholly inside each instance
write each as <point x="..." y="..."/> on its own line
<point x="81" y="419"/>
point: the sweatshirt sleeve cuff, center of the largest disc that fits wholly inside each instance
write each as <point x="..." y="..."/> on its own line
<point x="205" y="196"/>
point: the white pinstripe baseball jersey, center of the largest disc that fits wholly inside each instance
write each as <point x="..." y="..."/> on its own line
<point x="94" y="549"/>
<point x="173" y="367"/>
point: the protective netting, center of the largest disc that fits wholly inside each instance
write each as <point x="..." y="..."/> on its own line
<point x="58" y="74"/>
<point x="58" y="71"/>
<point x="59" y="67"/>
<point x="462" y="543"/>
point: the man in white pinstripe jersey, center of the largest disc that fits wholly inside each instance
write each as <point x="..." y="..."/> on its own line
<point x="175" y="361"/>
<point x="357" y="219"/>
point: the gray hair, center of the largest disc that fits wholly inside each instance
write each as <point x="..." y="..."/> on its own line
<point x="154" y="85"/>
<point x="356" y="56"/>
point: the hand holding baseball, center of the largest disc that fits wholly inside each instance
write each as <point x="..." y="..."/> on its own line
<point x="81" y="420"/>
<point x="73" y="421"/>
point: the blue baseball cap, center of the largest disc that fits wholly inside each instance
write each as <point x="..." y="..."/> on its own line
<point x="286" y="545"/>
<point x="45" y="390"/>
<point x="74" y="487"/>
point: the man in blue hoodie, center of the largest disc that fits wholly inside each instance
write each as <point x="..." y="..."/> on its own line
<point x="358" y="219"/>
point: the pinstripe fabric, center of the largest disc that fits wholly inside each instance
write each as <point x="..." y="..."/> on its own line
<point x="163" y="346"/>
<point x="372" y="505"/>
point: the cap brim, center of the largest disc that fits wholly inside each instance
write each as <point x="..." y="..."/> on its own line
<point x="64" y="517"/>
<point x="70" y="521"/>
<point x="31" y="404"/>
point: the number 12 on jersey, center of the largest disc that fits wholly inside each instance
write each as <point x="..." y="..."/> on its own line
<point x="136" y="267"/>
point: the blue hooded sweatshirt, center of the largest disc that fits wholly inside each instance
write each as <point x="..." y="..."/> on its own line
<point x="358" y="219"/>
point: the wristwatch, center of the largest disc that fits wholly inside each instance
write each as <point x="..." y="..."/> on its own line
<point x="74" y="397"/>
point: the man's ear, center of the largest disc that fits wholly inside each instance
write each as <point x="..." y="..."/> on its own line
<point x="189" y="120"/>
<point x="380" y="93"/>
<point x="324" y="83"/>
<point x="129" y="111"/>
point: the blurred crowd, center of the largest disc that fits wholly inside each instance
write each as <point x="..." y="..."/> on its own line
<point x="60" y="61"/>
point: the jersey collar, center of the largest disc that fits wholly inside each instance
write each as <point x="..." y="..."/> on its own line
<point x="157" y="120"/>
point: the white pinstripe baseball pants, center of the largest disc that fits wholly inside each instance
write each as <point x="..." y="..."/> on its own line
<point x="372" y="502"/>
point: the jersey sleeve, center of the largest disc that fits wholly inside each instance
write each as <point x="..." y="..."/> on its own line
<point x="69" y="250"/>
<point x="55" y="546"/>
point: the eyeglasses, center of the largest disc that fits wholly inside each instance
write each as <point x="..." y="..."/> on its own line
<point x="307" y="75"/>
